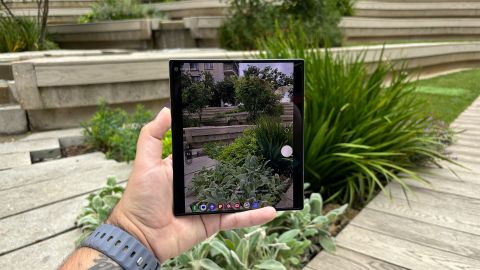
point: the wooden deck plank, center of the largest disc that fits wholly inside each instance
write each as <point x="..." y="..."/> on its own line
<point x="39" y="224"/>
<point x="422" y="233"/>
<point x="46" y="255"/>
<point x="460" y="176"/>
<point x="438" y="199"/>
<point x="442" y="184"/>
<point x="345" y="259"/>
<point x="23" y="198"/>
<point x="401" y="252"/>
<point x="456" y="220"/>
<point x="49" y="170"/>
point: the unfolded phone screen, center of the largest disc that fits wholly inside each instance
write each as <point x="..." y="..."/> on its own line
<point x="239" y="144"/>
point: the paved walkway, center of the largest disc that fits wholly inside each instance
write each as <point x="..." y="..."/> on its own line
<point x="440" y="229"/>
<point x="40" y="201"/>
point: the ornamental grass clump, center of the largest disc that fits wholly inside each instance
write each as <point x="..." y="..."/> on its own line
<point x="361" y="133"/>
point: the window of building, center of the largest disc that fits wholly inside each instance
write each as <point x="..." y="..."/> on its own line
<point x="208" y="65"/>
<point x="228" y="67"/>
<point x="193" y="66"/>
<point x="195" y="78"/>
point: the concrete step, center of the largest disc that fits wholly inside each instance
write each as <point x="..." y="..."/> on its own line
<point x="55" y="15"/>
<point x="6" y="96"/>
<point x="358" y="29"/>
<point x="417" y="9"/>
<point x="12" y="160"/>
<point x="13" y="119"/>
<point x="66" y="137"/>
<point x="39" y="149"/>
<point x="55" y="4"/>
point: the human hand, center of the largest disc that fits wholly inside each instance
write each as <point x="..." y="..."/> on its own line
<point x="145" y="210"/>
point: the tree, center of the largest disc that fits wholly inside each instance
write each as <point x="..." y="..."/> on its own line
<point x="275" y="77"/>
<point x="224" y="92"/>
<point x="257" y="97"/>
<point x="196" y="95"/>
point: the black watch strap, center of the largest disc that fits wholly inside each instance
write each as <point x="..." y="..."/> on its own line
<point x="121" y="247"/>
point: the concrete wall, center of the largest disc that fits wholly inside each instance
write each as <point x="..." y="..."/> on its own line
<point x="143" y="34"/>
<point x="60" y="93"/>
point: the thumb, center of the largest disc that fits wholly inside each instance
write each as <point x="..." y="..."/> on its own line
<point x="150" y="145"/>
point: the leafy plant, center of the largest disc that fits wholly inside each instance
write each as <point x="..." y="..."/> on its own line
<point x="287" y="242"/>
<point x="359" y="133"/>
<point x="99" y="206"/>
<point x="250" y="20"/>
<point x="271" y="135"/>
<point x="111" y="10"/>
<point x="251" y="180"/>
<point x="21" y="34"/>
<point x="115" y="132"/>
<point x="257" y="97"/>
<point x="236" y="152"/>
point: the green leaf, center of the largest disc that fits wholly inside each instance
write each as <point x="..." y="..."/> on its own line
<point x="209" y="264"/>
<point x="111" y="181"/>
<point x="288" y="235"/>
<point x="97" y="202"/>
<point x="328" y="243"/>
<point x="271" y="265"/>
<point x="221" y="248"/>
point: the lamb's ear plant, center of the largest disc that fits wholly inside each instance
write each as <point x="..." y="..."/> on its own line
<point x="360" y="133"/>
<point x="225" y="181"/>
<point x="98" y="208"/>
<point x="287" y="242"/>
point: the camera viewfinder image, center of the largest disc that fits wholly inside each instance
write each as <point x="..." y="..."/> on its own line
<point x="238" y="132"/>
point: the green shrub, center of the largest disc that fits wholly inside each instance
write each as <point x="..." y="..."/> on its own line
<point x="115" y="132"/>
<point x="285" y="243"/>
<point x="111" y="10"/>
<point x="271" y="135"/>
<point x="252" y="19"/>
<point x="359" y="133"/>
<point x="257" y="97"/>
<point x="20" y="34"/>
<point x="235" y="152"/>
<point x="248" y="181"/>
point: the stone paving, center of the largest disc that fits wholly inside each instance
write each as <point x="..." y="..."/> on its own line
<point x="437" y="228"/>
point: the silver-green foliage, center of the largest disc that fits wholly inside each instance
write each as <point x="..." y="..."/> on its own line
<point x="229" y="182"/>
<point x="285" y="243"/>
<point x="99" y="206"/>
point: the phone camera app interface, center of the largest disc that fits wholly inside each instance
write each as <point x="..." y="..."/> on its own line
<point x="238" y="135"/>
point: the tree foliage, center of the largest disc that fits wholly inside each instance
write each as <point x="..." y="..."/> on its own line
<point x="257" y="97"/>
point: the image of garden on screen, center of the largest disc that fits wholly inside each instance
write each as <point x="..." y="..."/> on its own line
<point x="238" y="132"/>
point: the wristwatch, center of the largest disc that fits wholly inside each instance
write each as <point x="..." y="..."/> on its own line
<point x="121" y="247"/>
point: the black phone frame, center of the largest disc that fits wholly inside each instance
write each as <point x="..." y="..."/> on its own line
<point x="177" y="132"/>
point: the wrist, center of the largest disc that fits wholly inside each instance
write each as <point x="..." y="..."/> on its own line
<point x="120" y="219"/>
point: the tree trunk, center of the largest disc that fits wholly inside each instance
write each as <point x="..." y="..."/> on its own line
<point x="43" y="23"/>
<point x="7" y="9"/>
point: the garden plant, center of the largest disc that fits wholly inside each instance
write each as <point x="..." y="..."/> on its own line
<point x="115" y="132"/>
<point x="360" y="133"/>
<point x="287" y="242"/>
<point x="250" y="20"/>
<point x="111" y="10"/>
